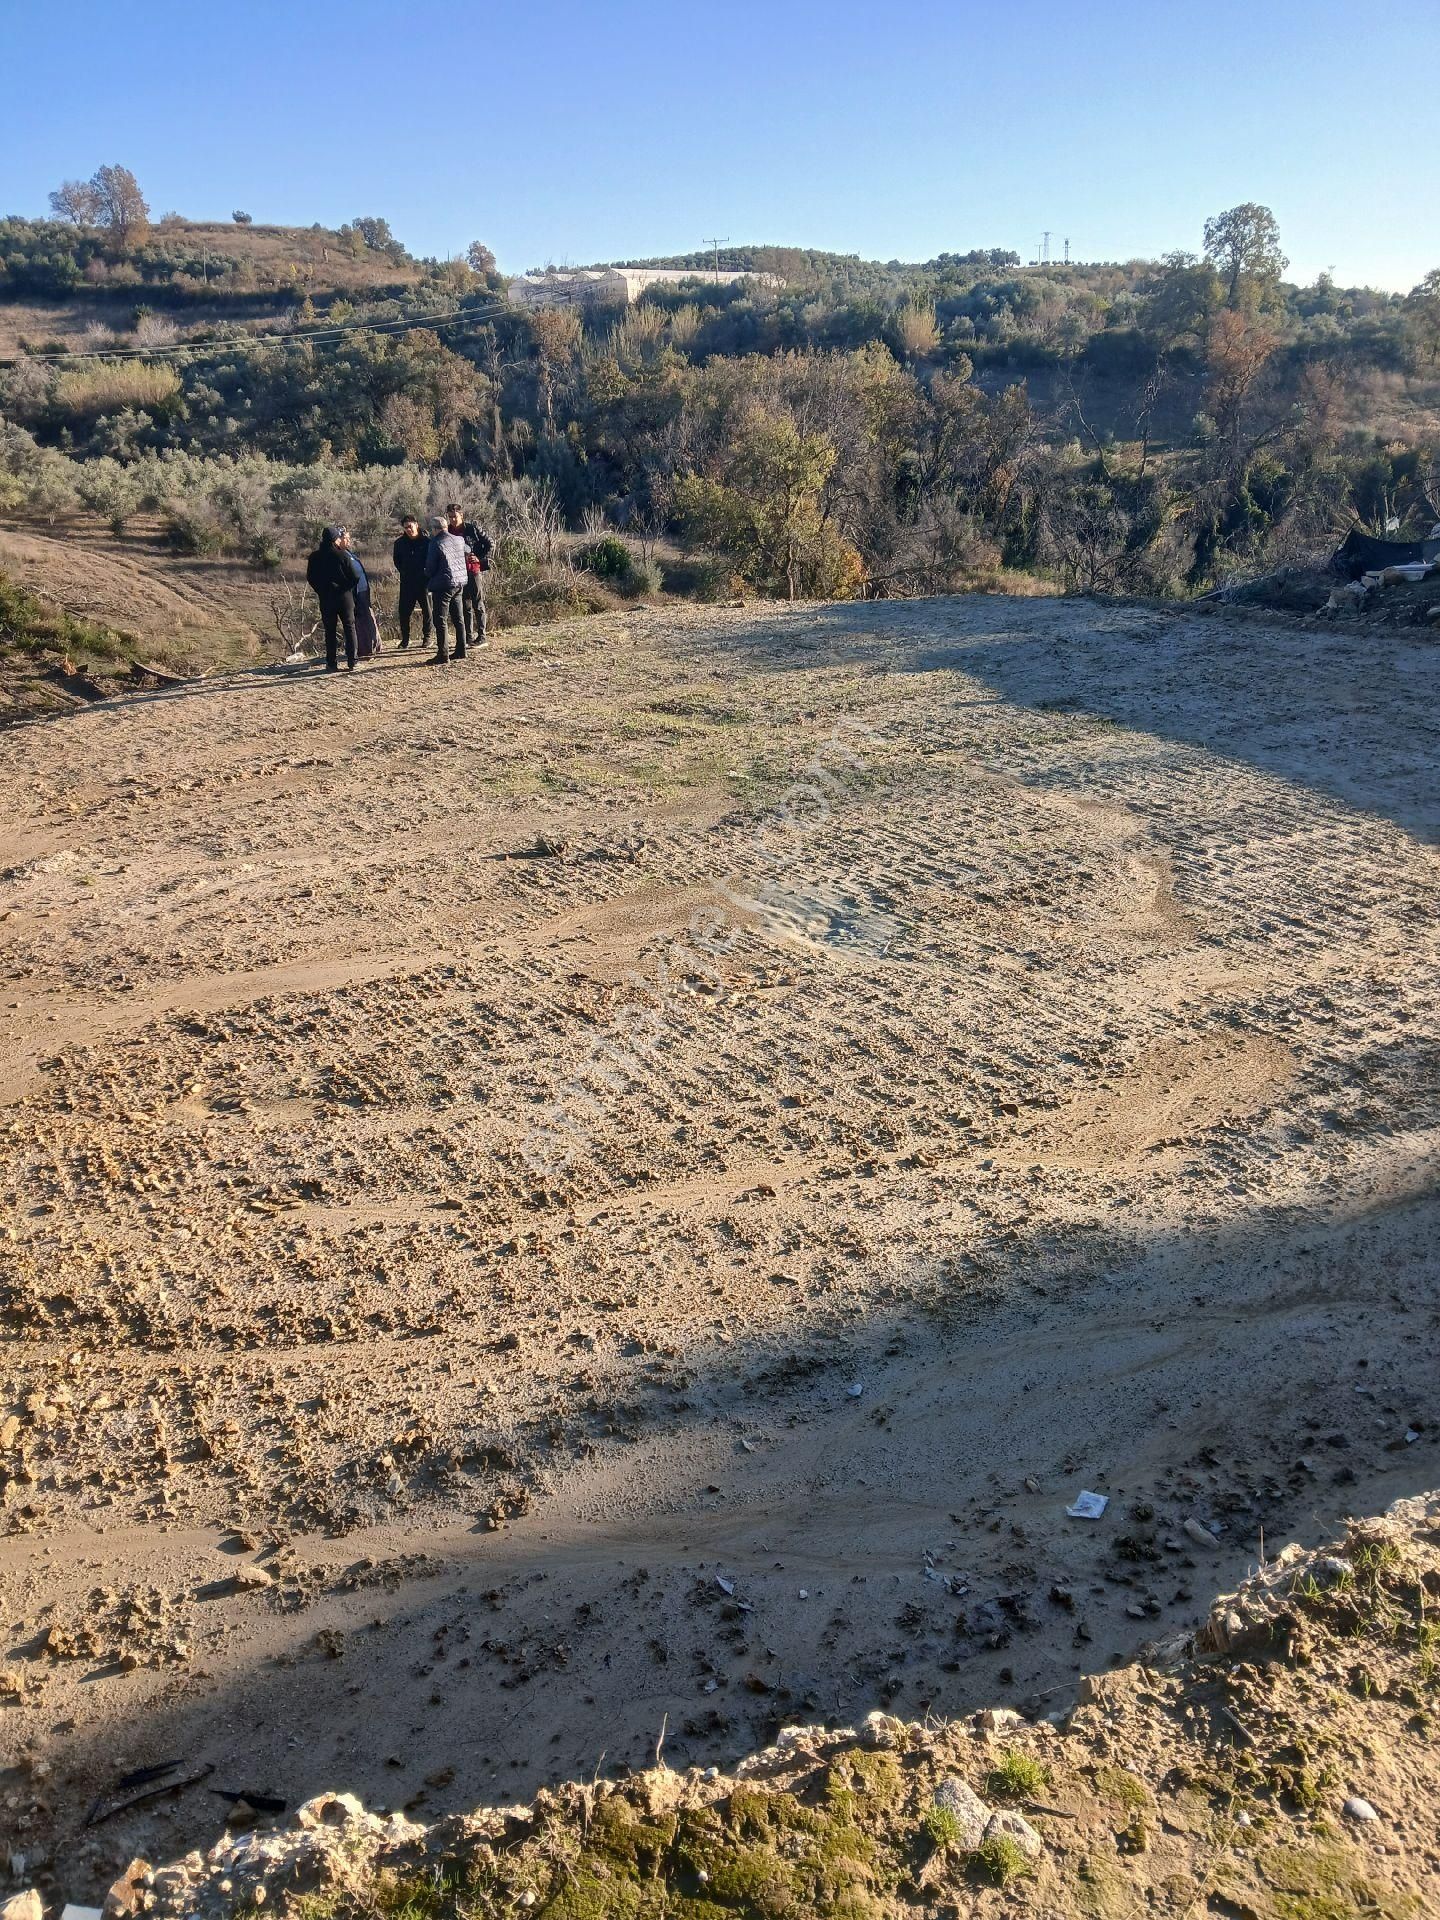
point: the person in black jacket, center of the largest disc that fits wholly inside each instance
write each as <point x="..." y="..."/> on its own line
<point x="478" y="549"/>
<point x="334" y="577"/>
<point x="412" y="550"/>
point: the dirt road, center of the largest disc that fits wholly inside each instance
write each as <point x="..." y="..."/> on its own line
<point x="628" y="1183"/>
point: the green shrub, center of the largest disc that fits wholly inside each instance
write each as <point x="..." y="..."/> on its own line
<point x="515" y="554"/>
<point x="608" y="559"/>
<point x="27" y="625"/>
<point x="194" y="527"/>
<point x="941" y="1827"/>
<point x="999" y="1860"/>
<point x="1018" y="1777"/>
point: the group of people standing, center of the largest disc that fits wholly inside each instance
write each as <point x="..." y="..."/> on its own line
<point x="442" y="574"/>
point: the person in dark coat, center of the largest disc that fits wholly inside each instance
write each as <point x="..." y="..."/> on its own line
<point x="445" y="579"/>
<point x="412" y="551"/>
<point x="335" y="576"/>
<point x="478" y="549"/>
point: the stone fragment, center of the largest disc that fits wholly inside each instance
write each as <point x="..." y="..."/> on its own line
<point x="126" y="1895"/>
<point x="23" y="1906"/>
<point x="330" y="1810"/>
<point x="1000" y="1719"/>
<point x="1357" y="1809"/>
<point x="955" y="1796"/>
<point x="1009" y="1825"/>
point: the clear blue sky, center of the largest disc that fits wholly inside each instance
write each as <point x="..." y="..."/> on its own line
<point x="564" y="130"/>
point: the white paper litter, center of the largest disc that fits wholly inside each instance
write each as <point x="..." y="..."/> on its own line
<point x="1088" y="1506"/>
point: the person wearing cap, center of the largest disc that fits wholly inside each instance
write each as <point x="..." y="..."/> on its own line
<point x="334" y="576"/>
<point x="445" y="579"/>
<point x="412" y="550"/>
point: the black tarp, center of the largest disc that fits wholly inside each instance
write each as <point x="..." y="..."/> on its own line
<point x="1360" y="553"/>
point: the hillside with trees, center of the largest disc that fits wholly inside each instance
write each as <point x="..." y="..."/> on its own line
<point x="862" y="427"/>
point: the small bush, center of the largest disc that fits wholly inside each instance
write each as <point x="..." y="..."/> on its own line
<point x="1018" y="1777"/>
<point x="999" y="1860"/>
<point x="193" y="527"/>
<point x="609" y="559"/>
<point x="941" y="1827"/>
<point x="515" y="554"/>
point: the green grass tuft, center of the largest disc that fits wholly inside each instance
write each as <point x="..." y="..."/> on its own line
<point x="1018" y="1777"/>
<point x="999" y="1860"/>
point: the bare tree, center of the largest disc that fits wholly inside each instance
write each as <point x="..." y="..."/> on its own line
<point x="77" y="201"/>
<point x="290" y="606"/>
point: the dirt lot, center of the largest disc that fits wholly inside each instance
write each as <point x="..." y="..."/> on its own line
<point x="632" y="1181"/>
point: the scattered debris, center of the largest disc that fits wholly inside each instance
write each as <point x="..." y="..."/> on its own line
<point x="99" y="1813"/>
<point x="1088" y="1506"/>
<point x="258" y="1802"/>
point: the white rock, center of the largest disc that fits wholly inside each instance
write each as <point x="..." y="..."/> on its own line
<point x="1016" y="1827"/>
<point x="953" y="1795"/>
<point x="998" y="1719"/>
<point x="1202" y="1536"/>
<point x="251" y="1579"/>
<point x="330" y="1810"/>
<point x="1357" y="1809"/>
<point x="23" y="1906"/>
<point x="1330" y="1569"/>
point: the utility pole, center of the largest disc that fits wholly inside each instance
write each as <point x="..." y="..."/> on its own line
<point x="1067" y="252"/>
<point x="717" y="244"/>
<point x="1045" y="248"/>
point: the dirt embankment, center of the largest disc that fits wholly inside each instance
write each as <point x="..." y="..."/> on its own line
<point x="1280" y="1764"/>
<point x="633" y="1181"/>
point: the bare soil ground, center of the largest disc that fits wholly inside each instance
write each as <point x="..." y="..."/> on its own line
<point x="632" y="1180"/>
<point x="1278" y="1765"/>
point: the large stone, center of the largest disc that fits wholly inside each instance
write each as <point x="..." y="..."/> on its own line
<point x="23" y="1906"/>
<point x="953" y="1795"/>
<point x="1009" y="1825"/>
<point x="330" y="1810"/>
<point x="127" y="1893"/>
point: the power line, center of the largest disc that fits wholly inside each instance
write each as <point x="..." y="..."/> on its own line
<point x="458" y="316"/>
